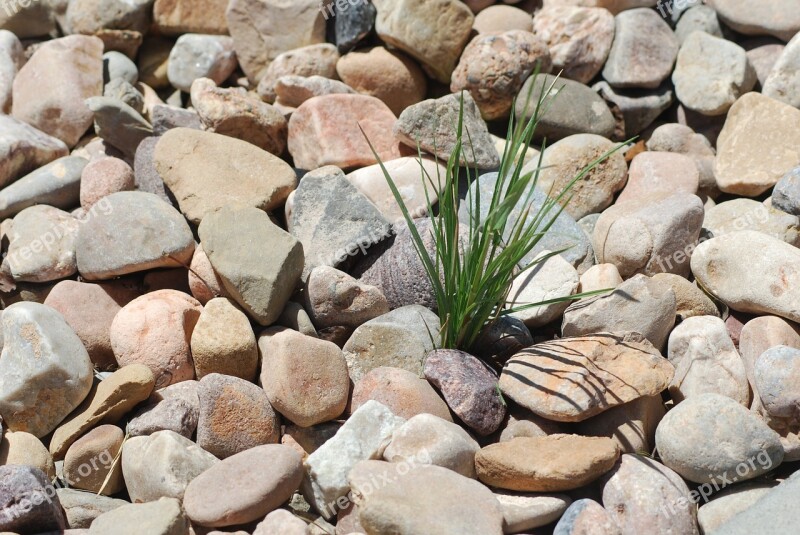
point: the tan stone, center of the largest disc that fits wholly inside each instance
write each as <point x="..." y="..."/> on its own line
<point x="660" y="172"/>
<point x="405" y="394"/>
<point x="223" y="341"/>
<point x="311" y="60"/>
<point x="19" y="447"/>
<point x="90" y="461"/>
<point x="174" y="17"/>
<point x="600" y="277"/>
<point x="501" y="18"/>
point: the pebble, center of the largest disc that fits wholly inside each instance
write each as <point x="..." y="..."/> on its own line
<point x="119" y="124"/>
<point x="763" y="53"/>
<point x="600" y="277"/>
<point x="553" y="278"/>
<point x="762" y="333"/>
<point x="783" y="82"/>
<point x="747" y="270"/>
<point x="335" y="298"/>
<point x="100" y="178"/>
<point x="389" y="75"/>
<point x="493" y="68"/>
<point x="325" y="131"/>
<point x="25" y="149"/>
<point x="786" y="194"/>
<point x="689" y="437"/>
<point x="522" y="512"/>
<point x="295" y="317"/>
<point x="664" y="173"/>
<point x="312" y="60"/>
<point x="678" y="138"/>
<point x="305" y="378"/>
<point x="586" y="517"/>
<point x="21" y="448"/>
<point x="81" y="508"/>
<point x="748" y="214"/>
<point x="9" y="66"/>
<point x="283" y="522"/>
<point x="640" y="304"/>
<point x="729" y="503"/>
<point x="161" y="517"/>
<point x="698" y="18"/>
<point x="94" y="453"/>
<point x="774" y="17"/>
<point x="434" y="33"/>
<point x="223" y="341"/>
<point x="402" y="392"/>
<point x="42" y="245"/>
<point x="162" y="465"/>
<point x="118" y="66"/>
<point x="469" y="387"/>
<point x="49" y="90"/>
<point x="174" y="408"/>
<point x="774" y="382"/>
<point x="292" y="90"/>
<point x="635" y="109"/>
<point x="204" y="283"/>
<point x="197" y="56"/>
<point x="45" y="371"/>
<point x="501" y="18"/>
<point x="563" y="462"/>
<point x="21" y="487"/>
<point x="631" y="425"/>
<point x="235" y="416"/>
<point x="56" y="184"/>
<point x="260" y="280"/>
<point x="579" y="38"/>
<point x="757" y="145"/>
<point x="690" y="300"/>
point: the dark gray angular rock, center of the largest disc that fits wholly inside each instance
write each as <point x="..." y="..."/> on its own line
<point x="57" y="184"/>
<point x="786" y="195"/>
<point x="28" y="503"/>
<point x="166" y="117"/>
<point x="352" y="24"/>
<point x="635" y="109"/>
<point x="145" y="173"/>
<point x="502" y="340"/>
<point x="119" y="124"/>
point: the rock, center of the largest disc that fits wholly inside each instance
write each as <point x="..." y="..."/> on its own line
<point x="690" y="300"/>
<point x="752" y="164"/>
<point x="262" y="30"/>
<point x="50" y="89"/>
<point x="174" y="408"/>
<point x="118" y="66"/>
<point x="311" y="60"/>
<point x="579" y="38"/>
<point x="333" y="220"/>
<point x="600" y="277"/>
<point x="591" y="374"/>
<point x="400" y="338"/>
<point x="429" y="125"/>
<point x="119" y="124"/>
<point x="388" y="75"/>
<point x="24" y="149"/>
<point x="786" y="194"/>
<point x="643" y="51"/>
<point x="747" y="270"/>
<point x="639" y="304"/>
<point x="730" y="502"/>
<point x="335" y="298"/>
<point x="99" y="446"/>
<point x="292" y="90"/>
<point x="235" y="415"/>
<point x="353" y="24"/>
<point x="305" y="378"/>
<point x="45" y="371"/>
<point x="763" y="53"/>
<point x="162" y="465"/>
<point x="146" y="176"/>
<point x="103" y="177"/>
<point x="697" y="18"/>
<point x="631" y="425"/>
<point x="81" y="508"/>
<point x="571" y="108"/>
<point x="42" y="245"/>
<point x="649" y="234"/>
<point x="281" y="521"/>
<point x="662" y="173"/>
<point x="711" y="73"/>
<point x="313" y="143"/>
<point x="783" y="83"/>
<point x="773" y="375"/>
<point x="161" y="517"/>
<point x="90" y="309"/>
<point x="689" y="436"/>
<point x="762" y="333"/>
<point x="553" y="278"/>
<point x="402" y="392"/>
<point x="469" y="387"/>
<point x="28" y="501"/>
<point x="428" y="439"/>
<point x="90" y="16"/>
<point x="586" y="517"/>
<point x="363" y="436"/>
<point x="108" y="402"/>
<point x="493" y="68"/>
<point x="200" y="56"/>
<point x="223" y="342"/>
<point x="56" y="184"/>
<point x="21" y="448"/>
<point x="667" y="506"/>
<point x="434" y="33"/>
<point x="165" y="118"/>
<point x="126" y="42"/>
<point x="748" y="214"/>
<point x="153" y="62"/>
<point x="563" y="462"/>
<point x="190" y="16"/>
<point x="204" y="282"/>
<point x="295" y="317"/>
<point x="673" y="137"/>
<point x="12" y="61"/>
<point x="260" y="280"/>
<point x="523" y="512"/>
<point x="775" y="17"/>
<point x="595" y="191"/>
<point x="635" y="109"/>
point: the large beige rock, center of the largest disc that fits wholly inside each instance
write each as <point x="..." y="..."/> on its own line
<point x="19" y="447"/>
<point x="223" y="341"/>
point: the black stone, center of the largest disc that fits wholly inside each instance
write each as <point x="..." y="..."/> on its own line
<point x="354" y="21"/>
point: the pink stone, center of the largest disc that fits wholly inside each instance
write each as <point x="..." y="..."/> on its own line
<point x="660" y="172"/>
<point x="103" y="177"/>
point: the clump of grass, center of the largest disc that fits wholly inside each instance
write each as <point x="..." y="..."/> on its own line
<point x="472" y="277"/>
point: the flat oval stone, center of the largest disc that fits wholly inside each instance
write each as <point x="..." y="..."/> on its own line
<point x="779" y="18"/>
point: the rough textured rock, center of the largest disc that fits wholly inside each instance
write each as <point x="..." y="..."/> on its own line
<point x="774" y="17"/>
<point x="773" y="377"/>
<point x="311" y="60"/>
<point x="772" y="512"/>
<point x="190" y="16"/>
<point x="402" y="392"/>
<point x="223" y="342"/>
<point x="24" y="149"/>
<point x="353" y="24"/>
<point x="81" y="508"/>
<point x="174" y="408"/>
<point x="29" y="502"/>
<point x="749" y="214"/>
<point x="335" y="298"/>
<point x="292" y="90"/>
<point x="200" y="56"/>
<point x="553" y="278"/>
<point x="632" y="425"/>
<point x="635" y="109"/>
<point x="665" y="173"/>
<point x="786" y="194"/>
<point x="689" y="299"/>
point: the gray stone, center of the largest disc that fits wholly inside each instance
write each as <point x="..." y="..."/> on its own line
<point x="689" y="437"/>
<point x="698" y="18"/>
<point x="119" y="124"/>
<point x="776" y="512"/>
<point x="631" y="425"/>
<point x="81" y="507"/>
<point x="779" y="18"/>
<point x="42" y="245"/>
<point x="161" y="517"/>
<point x="586" y="517"/>
<point x="200" y="56"/>
<point x="136" y="231"/>
<point x="145" y="173"/>
<point x="730" y="502"/>
<point x="293" y="90"/>
<point x="260" y="279"/>
<point x="335" y="298"/>
<point x="553" y="278"/>
<point x="173" y="414"/>
<point x="783" y="83"/>
<point x="56" y="184"/>
<point x="774" y="383"/>
<point x="635" y="109"/>
<point x="749" y="214"/>
<point x="165" y="117"/>
<point x="786" y="194"/>
<point x="120" y="89"/>
<point x="28" y="502"/>
<point x="24" y="149"/>
<point x="352" y="24"/>
<point x="118" y="65"/>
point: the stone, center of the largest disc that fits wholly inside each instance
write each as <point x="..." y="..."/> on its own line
<point x="281" y="521"/>
<point x="305" y="378"/>
<point x="42" y="245"/>
<point x="295" y="317"/>
<point x="711" y="74"/>
<point x="783" y="82"/>
<point x="260" y="280"/>
<point x="639" y="304"/>
<point x="161" y="517"/>
<point x="89" y="462"/>
<point x="762" y="333"/>
<point x="353" y="24"/>
<point x="146" y="176"/>
<point x="469" y="387"/>
<point x="563" y="462"/>
<point x="411" y="25"/>
<point x="196" y="56"/>
<point x="402" y="392"/>
<point x="786" y="194"/>
<point x="748" y="214"/>
<point x="50" y="89"/>
<point x="643" y="51"/>
<point x="120" y="89"/>
<point x="730" y="502"/>
<point x="56" y="184"/>
<point x="25" y="149"/>
<point x="429" y="125"/>
<point x="750" y="272"/>
<point x="689" y="436"/>
<point x="631" y="425"/>
<point x="763" y="53"/>
<point x="650" y="234"/>
<point x="9" y="66"/>
<point x="335" y="298"/>
<point x="500" y="18"/>
<point x="635" y="109"/>
<point x="428" y="439"/>
<point x="223" y="341"/>
<point x="571" y="108"/>
<point x="775" y="17"/>
<point x="100" y="178"/>
<point x="21" y="448"/>
<point x="752" y="164"/>
<point x="119" y="66"/>
<point x="698" y="18"/>
<point x="28" y="501"/>
<point x="579" y="38"/>
<point x="363" y="436"/>
<point x="81" y="508"/>
<point x="127" y="42"/>
<point x="175" y="17"/>
<point x="600" y="277"/>
<point x="235" y="415"/>
<point x="386" y="74"/>
<point x="591" y="374"/>
<point x="333" y="220"/>
<point x="690" y="300"/>
<point x="119" y="124"/>
<point x="594" y="192"/>
<point x="523" y="512"/>
<point x="400" y="338"/>
<point x="493" y="68"/>
<point x="204" y="282"/>
<point x="165" y="118"/>
<point x="586" y="517"/>
<point x="643" y="496"/>
<point x="774" y="384"/>
<point x="292" y="90"/>
<point x="551" y="278"/>
<point x="162" y="465"/>
<point x="45" y="371"/>
<point x="664" y="173"/>
<point x="312" y="60"/>
<point x="674" y="137"/>
<point x="110" y="400"/>
<point x="262" y="30"/>
<point x="90" y="16"/>
<point x="174" y="408"/>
